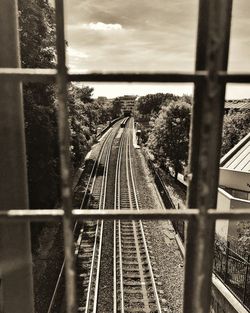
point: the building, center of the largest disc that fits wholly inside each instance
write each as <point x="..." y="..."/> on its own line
<point x="236" y="105"/>
<point x="234" y="185"/>
<point x="128" y="104"/>
<point x="104" y="100"/>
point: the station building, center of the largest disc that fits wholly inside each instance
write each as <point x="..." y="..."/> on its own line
<point x="128" y="104"/>
<point x="234" y="185"/>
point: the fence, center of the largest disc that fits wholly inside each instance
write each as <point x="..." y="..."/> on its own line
<point x="179" y="225"/>
<point x="233" y="270"/>
<point x="228" y="265"/>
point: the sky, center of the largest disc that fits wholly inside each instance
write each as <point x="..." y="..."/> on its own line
<point x="146" y="36"/>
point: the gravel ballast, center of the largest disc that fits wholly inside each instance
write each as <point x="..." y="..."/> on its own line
<point x="164" y="251"/>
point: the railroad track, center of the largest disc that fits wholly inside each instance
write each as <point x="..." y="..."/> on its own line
<point x="134" y="283"/>
<point x="89" y="241"/>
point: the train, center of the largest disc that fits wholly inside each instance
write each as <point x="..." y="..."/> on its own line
<point x="124" y="122"/>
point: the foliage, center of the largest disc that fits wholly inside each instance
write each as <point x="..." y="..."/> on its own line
<point x="37" y="33"/>
<point x="243" y="240"/>
<point x="152" y="102"/>
<point x="116" y="107"/>
<point x="85" y="114"/>
<point x="105" y="109"/>
<point x="236" y="126"/>
<point x="168" y="140"/>
<point x="37" y="41"/>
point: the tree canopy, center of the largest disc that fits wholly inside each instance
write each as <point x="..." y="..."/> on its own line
<point x="236" y="126"/>
<point x="116" y="107"/>
<point x="37" y="41"/>
<point x="151" y="103"/>
<point x="169" y="138"/>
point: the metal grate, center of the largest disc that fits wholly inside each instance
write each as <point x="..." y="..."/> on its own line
<point x="210" y="78"/>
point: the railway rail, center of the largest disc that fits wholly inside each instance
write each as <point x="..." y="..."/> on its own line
<point x="133" y="282"/>
<point x="90" y="243"/>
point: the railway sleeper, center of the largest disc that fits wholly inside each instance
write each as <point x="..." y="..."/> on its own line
<point x="132" y="277"/>
<point x="84" y="260"/>
<point x="131" y="270"/>
<point x="129" y="263"/>
<point x="128" y="248"/>
<point x="133" y="284"/>
<point x="85" y="254"/>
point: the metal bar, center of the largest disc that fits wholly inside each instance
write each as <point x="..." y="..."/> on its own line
<point x="240" y="78"/>
<point x="15" y="252"/>
<point x="57" y="214"/>
<point x="51" y="215"/>
<point x="204" y="155"/>
<point x="226" y="264"/>
<point x="139" y="77"/>
<point x="28" y="74"/>
<point x="64" y="144"/>
<point x="246" y="280"/>
<point x="49" y="75"/>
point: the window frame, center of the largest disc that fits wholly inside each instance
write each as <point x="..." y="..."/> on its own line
<point x="210" y="78"/>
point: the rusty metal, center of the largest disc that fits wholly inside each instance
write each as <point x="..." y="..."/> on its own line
<point x="28" y="74"/>
<point x="49" y="75"/>
<point x="204" y="157"/>
<point x="140" y="77"/>
<point x="64" y="144"/>
<point x="15" y="252"/>
<point x="57" y="214"/>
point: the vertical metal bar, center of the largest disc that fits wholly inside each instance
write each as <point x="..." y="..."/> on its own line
<point x="246" y="280"/>
<point x="226" y="263"/>
<point x="15" y="252"/>
<point x="64" y="142"/>
<point x="204" y="155"/>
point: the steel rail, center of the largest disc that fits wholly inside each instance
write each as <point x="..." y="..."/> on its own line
<point x="126" y="144"/>
<point x="143" y="234"/>
<point x="95" y="251"/>
<point x="116" y="204"/>
<point x="75" y="225"/>
<point x="102" y="207"/>
<point x="97" y="161"/>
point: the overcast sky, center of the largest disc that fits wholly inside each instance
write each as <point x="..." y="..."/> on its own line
<point x="146" y="35"/>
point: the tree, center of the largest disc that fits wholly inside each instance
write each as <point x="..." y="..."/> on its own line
<point x="37" y="40"/>
<point x="236" y="126"/>
<point x="116" y="107"/>
<point x="152" y="102"/>
<point x="105" y="109"/>
<point x="85" y="94"/>
<point x="169" y="138"/>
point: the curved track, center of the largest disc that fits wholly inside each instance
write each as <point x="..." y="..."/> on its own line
<point x="131" y="280"/>
<point x="134" y="283"/>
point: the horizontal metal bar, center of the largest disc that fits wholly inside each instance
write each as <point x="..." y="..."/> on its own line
<point x="96" y="214"/>
<point x="171" y="77"/>
<point x="57" y="214"/>
<point x="29" y="74"/>
<point x="235" y="214"/>
<point x="49" y="75"/>
<point x="240" y="78"/>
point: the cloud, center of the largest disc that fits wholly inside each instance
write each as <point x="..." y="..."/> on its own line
<point x="99" y="26"/>
<point x="75" y="53"/>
